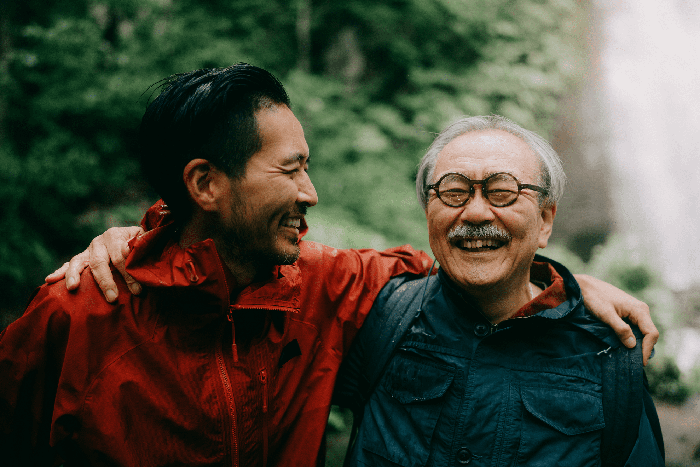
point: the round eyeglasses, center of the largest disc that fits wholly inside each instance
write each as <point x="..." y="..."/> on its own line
<point x="500" y="189"/>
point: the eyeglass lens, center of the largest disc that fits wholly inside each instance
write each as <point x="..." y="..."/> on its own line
<point x="499" y="189"/>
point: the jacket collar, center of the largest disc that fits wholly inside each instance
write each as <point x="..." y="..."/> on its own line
<point x="574" y="299"/>
<point x="158" y="262"/>
<point x="572" y="309"/>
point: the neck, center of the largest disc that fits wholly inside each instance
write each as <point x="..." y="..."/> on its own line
<point x="199" y="229"/>
<point x="500" y="302"/>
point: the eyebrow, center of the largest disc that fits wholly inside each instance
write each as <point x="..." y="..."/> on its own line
<point x="295" y="158"/>
<point x="488" y="174"/>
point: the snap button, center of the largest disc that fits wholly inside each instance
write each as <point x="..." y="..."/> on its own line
<point x="481" y="330"/>
<point x="464" y="456"/>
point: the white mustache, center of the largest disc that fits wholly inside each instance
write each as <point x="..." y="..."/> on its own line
<point x="480" y="231"/>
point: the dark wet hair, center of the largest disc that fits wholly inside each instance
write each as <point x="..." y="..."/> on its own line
<point x="208" y="114"/>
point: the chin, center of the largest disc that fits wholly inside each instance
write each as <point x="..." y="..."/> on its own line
<point x="287" y="255"/>
<point x="470" y="283"/>
<point x="473" y="277"/>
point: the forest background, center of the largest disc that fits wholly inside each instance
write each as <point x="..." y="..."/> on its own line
<point x="371" y="81"/>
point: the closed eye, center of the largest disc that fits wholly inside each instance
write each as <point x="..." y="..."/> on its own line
<point x="299" y="168"/>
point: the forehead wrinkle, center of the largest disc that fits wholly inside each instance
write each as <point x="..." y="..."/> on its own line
<point x="487" y="172"/>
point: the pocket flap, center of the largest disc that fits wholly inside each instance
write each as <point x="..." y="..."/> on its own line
<point x="417" y="382"/>
<point x="568" y="411"/>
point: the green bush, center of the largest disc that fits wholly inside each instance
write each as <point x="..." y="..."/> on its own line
<point x="666" y="382"/>
<point x="371" y="81"/>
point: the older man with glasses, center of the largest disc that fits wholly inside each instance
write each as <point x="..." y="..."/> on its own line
<point x="499" y="361"/>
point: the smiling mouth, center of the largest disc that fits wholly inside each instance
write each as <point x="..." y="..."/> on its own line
<point x="294" y="223"/>
<point x="479" y="244"/>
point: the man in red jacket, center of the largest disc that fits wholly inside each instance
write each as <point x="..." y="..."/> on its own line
<point x="230" y="355"/>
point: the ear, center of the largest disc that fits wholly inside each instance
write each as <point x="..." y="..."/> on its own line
<point x="205" y="183"/>
<point x="548" y="214"/>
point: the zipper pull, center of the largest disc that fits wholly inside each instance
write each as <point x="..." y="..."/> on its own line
<point x="234" y="347"/>
<point x="263" y="380"/>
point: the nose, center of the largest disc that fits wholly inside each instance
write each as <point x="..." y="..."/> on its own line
<point x="306" y="193"/>
<point x="477" y="209"/>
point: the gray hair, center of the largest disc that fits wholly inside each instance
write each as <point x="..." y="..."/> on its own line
<point x="552" y="176"/>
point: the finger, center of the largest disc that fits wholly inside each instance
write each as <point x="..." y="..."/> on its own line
<point x="75" y="266"/>
<point x="116" y="241"/>
<point x="57" y="275"/>
<point x="99" y="265"/>
<point x="126" y="250"/>
<point x="646" y="326"/>
<point x="134" y="286"/>
<point x="648" y="347"/>
<point x="623" y="330"/>
<point x="112" y="246"/>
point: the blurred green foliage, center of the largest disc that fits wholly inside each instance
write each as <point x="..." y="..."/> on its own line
<point x="371" y="81"/>
<point x="665" y="382"/>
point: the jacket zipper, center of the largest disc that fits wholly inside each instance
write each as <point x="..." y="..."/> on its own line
<point x="263" y="380"/>
<point x="223" y="374"/>
<point x="234" y="347"/>
<point x="227" y="384"/>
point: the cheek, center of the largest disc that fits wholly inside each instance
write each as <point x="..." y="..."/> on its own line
<point x="438" y="228"/>
<point x="518" y="224"/>
<point x="266" y="198"/>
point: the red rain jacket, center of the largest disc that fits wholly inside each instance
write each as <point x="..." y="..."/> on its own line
<point x="163" y="378"/>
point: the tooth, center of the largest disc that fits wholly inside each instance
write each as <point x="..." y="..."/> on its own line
<point x="478" y="243"/>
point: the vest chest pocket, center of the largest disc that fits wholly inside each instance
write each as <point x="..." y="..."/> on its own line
<point x="403" y="412"/>
<point x="560" y="426"/>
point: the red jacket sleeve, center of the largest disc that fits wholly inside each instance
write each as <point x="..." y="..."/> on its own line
<point x="340" y="286"/>
<point x="32" y="353"/>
